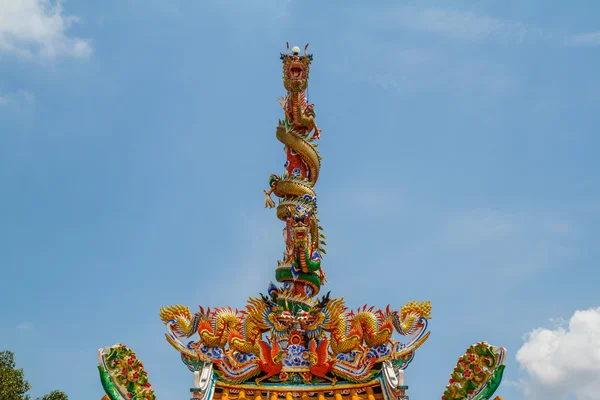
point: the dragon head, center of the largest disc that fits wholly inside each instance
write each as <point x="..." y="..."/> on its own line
<point x="283" y="318"/>
<point x="312" y="320"/>
<point x="300" y="231"/>
<point x="280" y="319"/>
<point x="420" y="308"/>
<point x="300" y="270"/>
<point x="295" y="69"/>
<point x="301" y="220"/>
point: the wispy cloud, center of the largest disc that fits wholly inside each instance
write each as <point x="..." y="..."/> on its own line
<point x="468" y="25"/>
<point x="256" y="245"/>
<point x="25" y="326"/>
<point x="16" y="102"/>
<point x="586" y="39"/>
<point x="457" y="24"/>
<point x="38" y="28"/>
<point x="515" y="244"/>
<point x="458" y="76"/>
<point x="271" y="10"/>
<point x="564" y="361"/>
<point x="395" y="66"/>
<point x="512" y="247"/>
<point x="171" y="8"/>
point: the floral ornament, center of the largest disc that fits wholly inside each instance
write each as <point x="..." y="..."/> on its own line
<point x="283" y="376"/>
<point x="307" y="377"/>
<point x="309" y="199"/>
<point x="128" y="372"/>
<point x="300" y="211"/>
<point x="308" y="290"/>
<point x="477" y="374"/>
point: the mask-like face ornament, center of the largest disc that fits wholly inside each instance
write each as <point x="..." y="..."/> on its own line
<point x="309" y="320"/>
<point x="300" y="231"/>
<point x="285" y="318"/>
<point x="300" y="234"/>
<point x="303" y="318"/>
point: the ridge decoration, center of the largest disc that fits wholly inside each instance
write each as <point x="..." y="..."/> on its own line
<point x="477" y="374"/>
<point x="290" y="334"/>
<point x="123" y="375"/>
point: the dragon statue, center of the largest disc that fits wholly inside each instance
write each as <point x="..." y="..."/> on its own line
<point x="233" y="340"/>
<point x="300" y="270"/>
<point x="294" y="341"/>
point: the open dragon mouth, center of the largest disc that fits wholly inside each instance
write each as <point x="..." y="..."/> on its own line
<point x="296" y="71"/>
<point x="300" y="233"/>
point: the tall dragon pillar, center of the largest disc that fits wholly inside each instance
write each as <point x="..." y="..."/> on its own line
<point x="299" y="271"/>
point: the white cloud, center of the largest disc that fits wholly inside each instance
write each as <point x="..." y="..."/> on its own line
<point x="564" y="361"/>
<point x="586" y="39"/>
<point x="38" y="28"/>
<point x="25" y="325"/>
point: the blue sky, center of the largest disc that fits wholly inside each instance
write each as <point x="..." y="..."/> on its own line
<point x="460" y="165"/>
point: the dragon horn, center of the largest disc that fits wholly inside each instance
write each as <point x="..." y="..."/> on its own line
<point x="305" y="48"/>
<point x="387" y="309"/>
<point x="201" y="309"/>
<point x="287" y="46"/>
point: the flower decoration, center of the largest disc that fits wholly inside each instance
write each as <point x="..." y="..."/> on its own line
<point x="129" y="372"/>
<point x="476" y="371"/>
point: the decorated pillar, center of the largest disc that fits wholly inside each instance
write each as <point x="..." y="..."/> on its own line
<point x="300" y="271"/>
